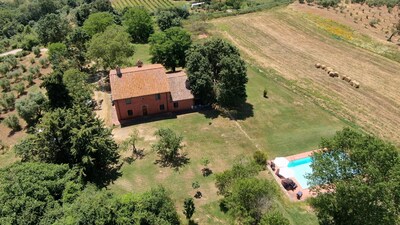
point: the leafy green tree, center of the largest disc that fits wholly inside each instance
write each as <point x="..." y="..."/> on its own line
<point x="52" y="28"/>
<point x="110" y="48"/>
<point x="8" y="101"/>
<point x="249" y="198"/>
<point x="260" y="158"/>
<point x="76" y="43"/>
<point x="56" y="90"/>
<point x="138" y="24"/>
<point x="131" y="142"/>
<point x="76" y="137"/>
<point x="78" y="88"/>
<point x="58" y="54"/>
<point x="30" y="192"/>
<point x="274" y="218"/>
<point x="31" y="108"/>
<point x="240" y="170"/>
<point x="167" y="19"/>
<point x="168" y="145"/>
<point x="5" y="85"/>
<point x="97" y="23"/>
<point x="19" y="88"/>
<point x="234" y="3"/>
<point x="169" y="47"/>
<point x="217" y="73"/>
<point x="188" y="208"/>
<point x="12" y="122"/>
<point x="357" y="180"/>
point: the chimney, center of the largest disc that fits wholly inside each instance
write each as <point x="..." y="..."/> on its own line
<point x="119" y="74"/>
<point x="139" y="63"/>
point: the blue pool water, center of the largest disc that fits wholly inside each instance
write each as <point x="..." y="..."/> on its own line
<point x="301" y="167"/>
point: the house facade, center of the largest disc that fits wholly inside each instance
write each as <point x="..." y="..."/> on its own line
<point x="149" y="90"/>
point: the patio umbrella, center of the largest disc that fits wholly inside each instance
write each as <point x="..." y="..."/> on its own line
<point x="286" y="172"/>
<point x="281" y="162"/>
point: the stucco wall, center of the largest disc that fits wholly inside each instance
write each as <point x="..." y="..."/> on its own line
<point x="152" y="105"/>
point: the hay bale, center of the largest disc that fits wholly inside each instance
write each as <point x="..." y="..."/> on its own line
<point x="329" y="69"/>
<point x="344" y="77"/>
<point x="348" y="79"/>
<point x="355" y="84"/>
<point x="317" y="65"/>
<point x="333" y="74"/>
<point x="323" y="67"/>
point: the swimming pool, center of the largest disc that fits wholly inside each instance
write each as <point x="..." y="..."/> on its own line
<point x="301" y="167"/>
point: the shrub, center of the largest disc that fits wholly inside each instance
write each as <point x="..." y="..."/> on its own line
<point x="23" y="68"/>
<point x="32" y="61"/>
<point x="14" y="74"/>
<point x="8" y="101"/>
<point x="19" y="54"/>
<point x="260" y="158"/>
<point x="12" y="122"/>
<point x="4" y="68"/>
<point x="5" y="85"/>
<point x="29" y="78"/>
<point x="36" y="51"/>
<point x="34" y="70"/>
<point x="44" y="62"/>
<point x="19" y="88"/>
<point x="11" y="60"/>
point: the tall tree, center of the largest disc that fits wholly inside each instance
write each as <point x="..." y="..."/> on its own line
<point x="188" y="208"/>
<point x="30" y="193"/>
<point x="58" y="54"/>
<point x="76" y="137"/>
<point x="138" y="24"/>
<point x="357" y="180"/>
<point x="56" y="91"/>
<point x="78" y="88"/>
<point x="110" y="48"/>
<point x="167" y="19"/>
<point x="52" y="28"/>
<point x="98" y="22"/>
<point x="169" y="47"/>
<point x="217" y="73"/>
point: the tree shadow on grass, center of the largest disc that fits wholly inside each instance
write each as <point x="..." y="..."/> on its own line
<point x="139" y="154"/>
<point x="242" y="112"/>
<point x="192" y="222"/>
<point x="176" y="163"/>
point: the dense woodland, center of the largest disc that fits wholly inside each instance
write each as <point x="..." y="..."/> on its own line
<point x="70" y="157"/>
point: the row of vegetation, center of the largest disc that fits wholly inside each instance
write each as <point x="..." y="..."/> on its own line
<point x="329" y="3"/>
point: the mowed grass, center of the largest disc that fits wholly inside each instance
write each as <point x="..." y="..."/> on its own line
<point x="286" y="122"/>
<point x="283" y="124"/>
<point x="141" y="53"/>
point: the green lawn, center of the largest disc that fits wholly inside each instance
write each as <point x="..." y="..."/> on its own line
<point x="141" y="53"/>
<point x="283" y="124"/>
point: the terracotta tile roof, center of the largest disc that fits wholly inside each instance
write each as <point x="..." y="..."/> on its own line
<point x="178" y="86"/>
<point x="139" y="81"/>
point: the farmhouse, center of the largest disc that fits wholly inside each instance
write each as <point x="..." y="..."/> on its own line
<point x="148" y="90"/>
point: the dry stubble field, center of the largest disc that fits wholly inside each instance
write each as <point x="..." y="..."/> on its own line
<point x="291" y="42"/>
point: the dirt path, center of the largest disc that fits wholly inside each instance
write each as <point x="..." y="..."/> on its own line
<point x="270" y="39"/>
<point x="12" y="52"/>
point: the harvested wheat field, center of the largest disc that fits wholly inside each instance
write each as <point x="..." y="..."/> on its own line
<point x="292" y="42"/>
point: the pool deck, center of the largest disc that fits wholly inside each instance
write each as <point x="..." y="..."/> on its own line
<point x="292" y="194"/>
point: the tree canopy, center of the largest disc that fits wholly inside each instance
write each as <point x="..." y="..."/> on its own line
<point x="52" y="28"/>
<point x="217" y="73"/>
<point x="97" y="22"/>
<point x="358" y="180"/>
<point x="31" y="193"/>
<point x="169" y="47"/>
<point x="73" y="136"/>
<point x="138" y="24"/>
<point x="110" y="48"/>
<point x="32" y="107"/>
